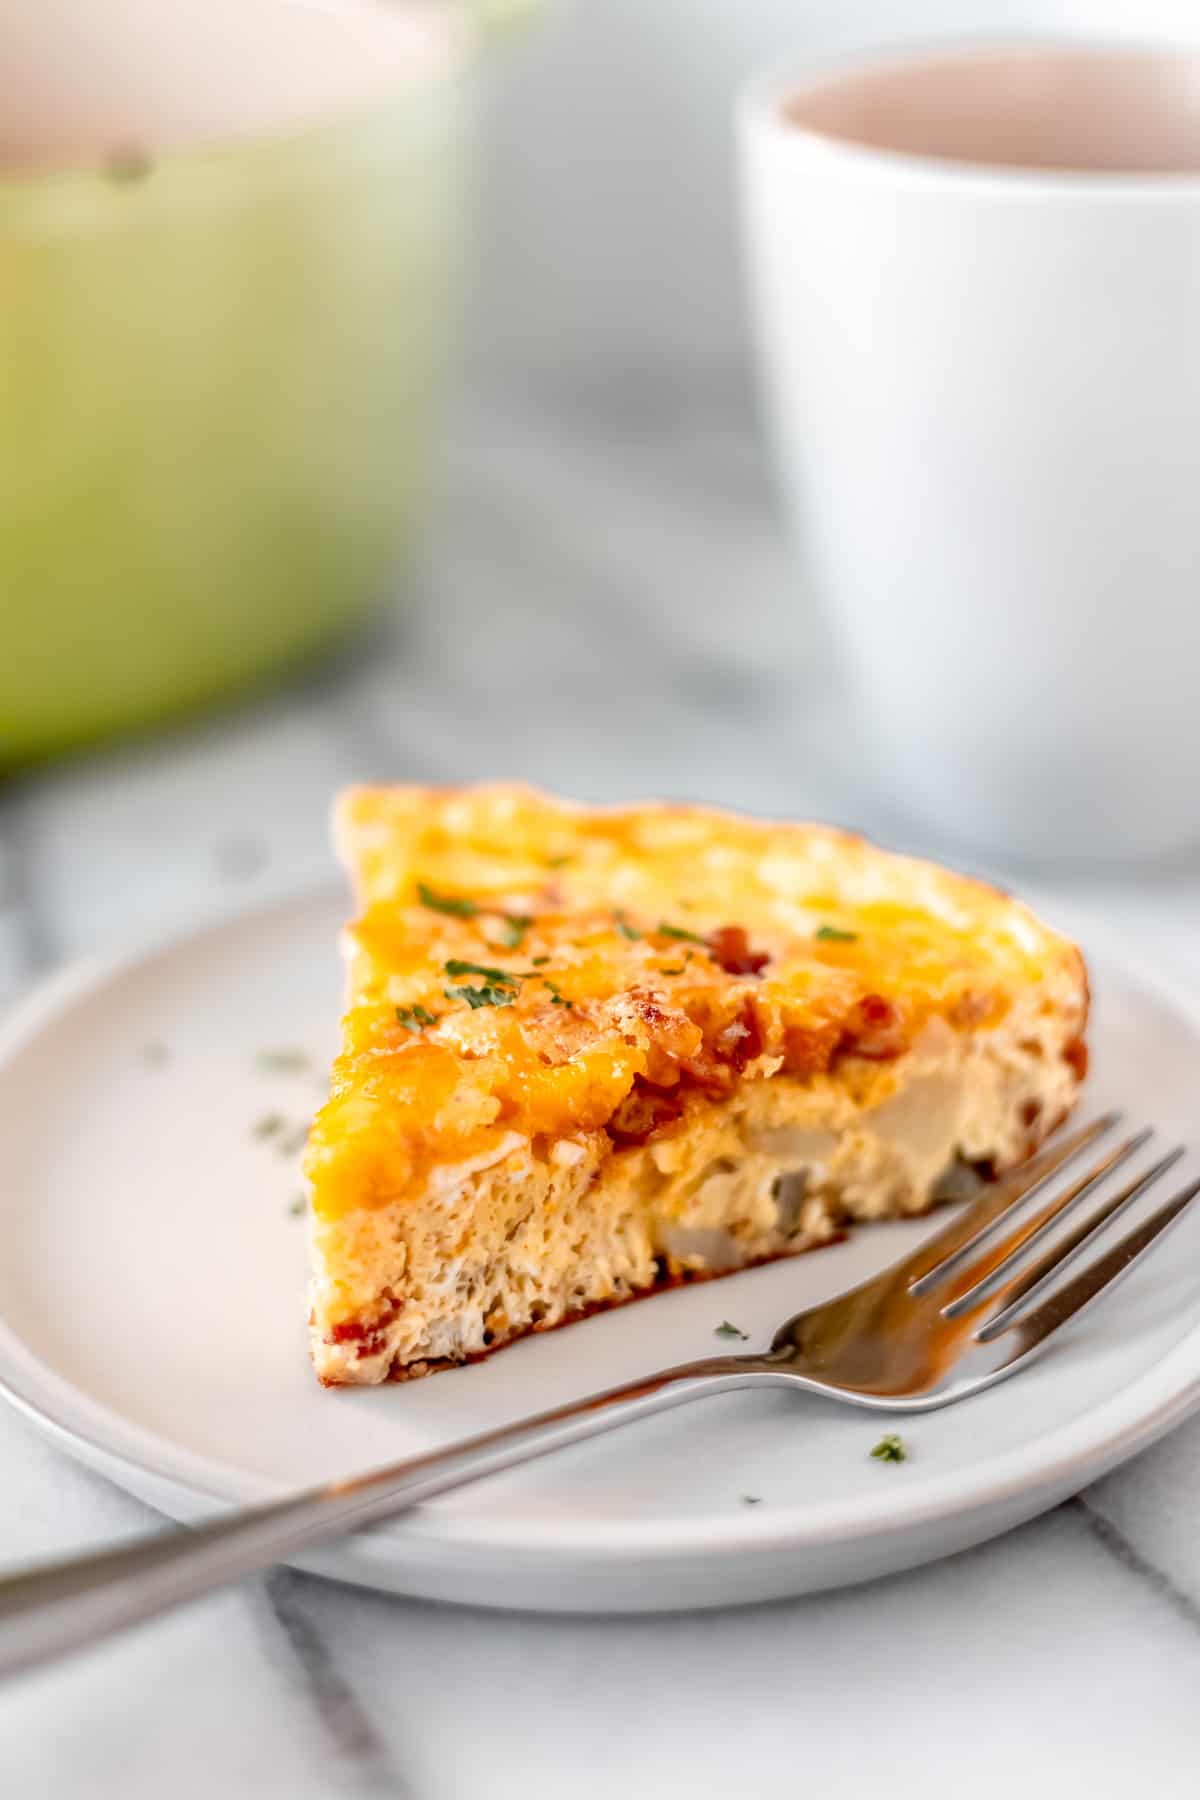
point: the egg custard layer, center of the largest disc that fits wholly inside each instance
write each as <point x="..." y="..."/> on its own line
<point x="588" y="1052"/>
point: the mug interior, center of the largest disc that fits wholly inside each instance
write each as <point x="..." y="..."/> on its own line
<point x="81" y="80"/>
<point x="1127" y="111"/>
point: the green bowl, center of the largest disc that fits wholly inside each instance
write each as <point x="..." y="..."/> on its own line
<point x="216" y="399"/>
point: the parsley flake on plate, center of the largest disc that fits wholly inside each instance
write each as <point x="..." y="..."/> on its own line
<point x="293" y="1141"/>
<point x="890" y="1448"/>
<point x="283" y="1062"/>
<point x="725" y="1329"/>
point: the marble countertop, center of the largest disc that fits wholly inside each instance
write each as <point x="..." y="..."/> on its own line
<point x="643" y="552"/>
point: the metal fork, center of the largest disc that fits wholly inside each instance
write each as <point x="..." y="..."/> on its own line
<point x="968" y="1307"/>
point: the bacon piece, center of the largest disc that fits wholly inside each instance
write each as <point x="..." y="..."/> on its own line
<point x="874" y="1029"/>
<point x="810" y="1050"/>
<point x="644" y="1110"/>
<point x="652" y="1105"/>
<point x="710" y="1073"/>
<point x="730" y="947"/>
<point x="368" y="1334"/>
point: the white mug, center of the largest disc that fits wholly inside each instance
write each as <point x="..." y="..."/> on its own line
<point x="976" y="286"/>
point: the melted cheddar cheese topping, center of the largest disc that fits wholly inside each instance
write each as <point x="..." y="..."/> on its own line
<point x="525" y="966"/>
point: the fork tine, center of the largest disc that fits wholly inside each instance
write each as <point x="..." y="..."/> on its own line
<point x="940" y="1254"/>
<point x="1023" y="1289"/>
<point x="1097" y="1279"/>
<point x="1006" y="1254"/>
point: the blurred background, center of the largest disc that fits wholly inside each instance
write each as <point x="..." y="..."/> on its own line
<point x="609" y="239"/>
<point x="424" y="445"/>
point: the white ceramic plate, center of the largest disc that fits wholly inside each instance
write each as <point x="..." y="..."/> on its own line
<point x="152" y="1319"/>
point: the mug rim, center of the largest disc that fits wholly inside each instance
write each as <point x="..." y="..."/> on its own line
<point x="758" y="118"/>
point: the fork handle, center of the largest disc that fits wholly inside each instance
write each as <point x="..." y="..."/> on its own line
<point x="57" y="1607"/>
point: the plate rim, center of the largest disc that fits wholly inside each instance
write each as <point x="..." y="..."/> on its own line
<point x="1100" y="1438"/>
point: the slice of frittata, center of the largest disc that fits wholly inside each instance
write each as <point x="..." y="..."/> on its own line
<point x="588" y="1052"/>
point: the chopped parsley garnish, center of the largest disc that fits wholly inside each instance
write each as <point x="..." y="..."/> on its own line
<point x="270" y="1125"/>
<point x="561" y="1000"/>
<point x="725" y="1329"/>
<point x="459" y="906"/>
<point x="482" y="996"/>
<point x="414" y="1017"/>
<point x="500" y="977"/>
<point x="539" y="962"/>
<point x="677" y="931"/>
<point x="833" y="934"/>
<point x="513" y="927"/>
<point x="751" y="1499"/>
<point x="673" y="971"/>
<point x="299" y="1206"/>
<point x="283" y="1062"/>
<point x="557" y="862"/>
<point x="890" y="1448"/>
<point x="626" y="929"/>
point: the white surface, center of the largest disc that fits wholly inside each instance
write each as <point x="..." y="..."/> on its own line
<point x="128" y="1322"/>
<point x="1061" y="1659"/>
<point x="985" y="388"/>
